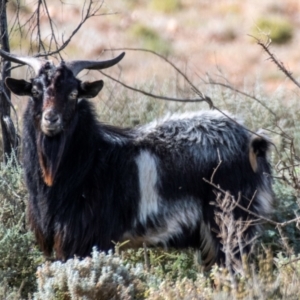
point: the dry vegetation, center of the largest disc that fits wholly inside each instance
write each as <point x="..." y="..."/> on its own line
<point x="209" y="43"/>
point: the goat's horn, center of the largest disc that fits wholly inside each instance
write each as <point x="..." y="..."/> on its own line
<point x="78" y="65"/>
<point x="33" y="62"/>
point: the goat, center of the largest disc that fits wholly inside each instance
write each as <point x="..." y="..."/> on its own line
<point x="91" y="183"/>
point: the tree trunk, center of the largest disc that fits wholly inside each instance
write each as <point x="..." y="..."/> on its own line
<point x="9" y="137"/>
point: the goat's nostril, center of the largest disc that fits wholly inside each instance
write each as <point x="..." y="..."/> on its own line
<point x="51" y="122"/>
<point x="51" y="118"/>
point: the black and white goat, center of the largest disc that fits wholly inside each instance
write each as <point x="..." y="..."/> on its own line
<point x="91" y="183"/>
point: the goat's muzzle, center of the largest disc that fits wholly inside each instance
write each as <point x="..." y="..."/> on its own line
<point x="51" y="123"/>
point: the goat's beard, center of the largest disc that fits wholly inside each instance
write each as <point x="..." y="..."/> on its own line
<point x="50" y="152"/>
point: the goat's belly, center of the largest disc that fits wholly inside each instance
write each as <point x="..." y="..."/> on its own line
<point x="177" y="226"/>
<point x="160" y="237"/>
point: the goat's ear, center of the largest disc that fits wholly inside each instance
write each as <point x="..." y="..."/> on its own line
<point x="90" y="89"/>
<point x="19" y="87"/>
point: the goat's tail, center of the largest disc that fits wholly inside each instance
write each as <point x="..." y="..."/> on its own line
<point x="258" y="148"/>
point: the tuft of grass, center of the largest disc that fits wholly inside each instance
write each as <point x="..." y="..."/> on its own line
<point x="165" y="6"/>
<point x="172" y="264"/>
<point x="279" y="29"/>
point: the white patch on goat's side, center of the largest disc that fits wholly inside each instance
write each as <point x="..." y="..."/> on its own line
<point x="147" y="172"/>
<point x="264" y="201"/>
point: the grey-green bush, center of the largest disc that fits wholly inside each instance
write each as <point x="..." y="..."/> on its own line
<point x="18" y="255"/>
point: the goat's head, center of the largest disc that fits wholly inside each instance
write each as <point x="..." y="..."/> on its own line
<point x="55" y="90"/>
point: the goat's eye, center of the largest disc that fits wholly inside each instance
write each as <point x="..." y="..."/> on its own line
<point x="73" y="95"/>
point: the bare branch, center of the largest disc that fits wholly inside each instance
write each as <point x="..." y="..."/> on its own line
<point x="217" y="167"/>
<point x="202" y="96"/>
<point x="153" y="95"/>
<point x="278" y="63"/>
<point x="243" y="208"/>
<point x="53" y="36"/>
<point x="39" y="37"/>
<point x="228" y="86"/>
<point x="91" y="11"/>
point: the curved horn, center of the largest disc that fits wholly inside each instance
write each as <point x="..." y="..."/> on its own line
<point x="78" y="65"/>
<point x="33" y="62"/>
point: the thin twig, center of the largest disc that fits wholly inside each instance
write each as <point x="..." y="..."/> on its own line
<point x="150" y="94"/>
<point x="252" y="199"/>
<point x="146" y="257"/>
<point x="217" y="167"/>
<point x="290" y="262"/>
<point x="212" y="82"/>
<point x="278" y="63"/>
<point x="247" y="210"/>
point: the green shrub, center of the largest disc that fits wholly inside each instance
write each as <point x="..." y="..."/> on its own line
<point x="171" y="264"/>
<point x="279" y="29"/>
<point x="150" y="39"/>
<point x="166" y="6"/>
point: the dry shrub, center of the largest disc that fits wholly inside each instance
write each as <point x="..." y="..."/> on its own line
<point x="101" y="276"/>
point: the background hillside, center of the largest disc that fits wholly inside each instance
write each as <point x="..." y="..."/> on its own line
<point x="200" y="36"/>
